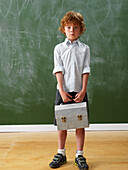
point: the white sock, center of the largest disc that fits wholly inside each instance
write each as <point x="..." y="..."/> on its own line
<point x="62" y="151"/>
<point x="79" y="153"/>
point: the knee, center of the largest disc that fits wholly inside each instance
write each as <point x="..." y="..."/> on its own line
<point x="80" y="130"/>
<point x="62" y="132"/>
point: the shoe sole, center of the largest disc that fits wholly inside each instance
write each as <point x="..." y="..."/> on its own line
<point x="60" y="165"/>
<point x="64" y="162"/>
<point x="81" y="168"/>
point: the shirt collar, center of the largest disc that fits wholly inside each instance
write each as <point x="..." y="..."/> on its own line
<point x="68" y="42"/>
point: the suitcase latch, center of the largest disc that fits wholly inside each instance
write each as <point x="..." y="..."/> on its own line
<point x="63" y="118"/>
<point x="79" y="117"/>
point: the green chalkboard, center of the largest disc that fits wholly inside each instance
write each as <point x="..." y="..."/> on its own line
<point x="28" y="35"/>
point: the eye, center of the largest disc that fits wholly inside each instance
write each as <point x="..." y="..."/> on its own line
<point x="69" y="27"/>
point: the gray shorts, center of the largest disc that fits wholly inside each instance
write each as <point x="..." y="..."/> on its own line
<point x="59" y="100"/>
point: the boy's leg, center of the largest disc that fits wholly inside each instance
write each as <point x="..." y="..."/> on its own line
<point x="60" y="158"/>
<point x="62" y="135"/>
<point x="80" y="135"/>
<point x="80" y="160"/>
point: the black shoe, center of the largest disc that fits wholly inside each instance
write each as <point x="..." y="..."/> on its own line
<point x="81" y="162"/>
<point x="58" y="160"/>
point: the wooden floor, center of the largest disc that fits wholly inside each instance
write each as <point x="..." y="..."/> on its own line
<point x="34" y="151"/>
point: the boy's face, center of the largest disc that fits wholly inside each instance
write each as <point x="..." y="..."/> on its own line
<point x="72" y="31"/>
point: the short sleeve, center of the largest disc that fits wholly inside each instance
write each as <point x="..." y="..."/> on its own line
<point x="86" y="64"/>
<point x="58" y="64"/>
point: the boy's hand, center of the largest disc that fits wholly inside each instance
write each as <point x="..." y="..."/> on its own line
<point x="79" y="97"/>
<point x="66" y="97"/>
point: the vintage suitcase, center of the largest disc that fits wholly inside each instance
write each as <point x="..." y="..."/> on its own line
<point x="71" y="116"/>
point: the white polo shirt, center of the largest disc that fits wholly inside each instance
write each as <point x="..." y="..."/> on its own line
<point x="73" y="60"/>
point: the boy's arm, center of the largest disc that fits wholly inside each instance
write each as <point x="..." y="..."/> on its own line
<point x="65" y="96"/>
<point x="80" y="96"/>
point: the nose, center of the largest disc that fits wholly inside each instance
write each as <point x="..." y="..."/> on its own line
<point x="72" y="29"/>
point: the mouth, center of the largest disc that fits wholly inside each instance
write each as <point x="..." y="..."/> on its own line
<point x="72" y="34"/>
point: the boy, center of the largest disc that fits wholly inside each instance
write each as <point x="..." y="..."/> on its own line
<point x="71" y="67"/>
